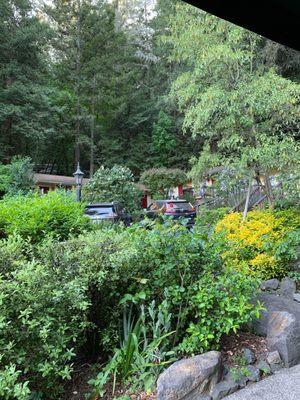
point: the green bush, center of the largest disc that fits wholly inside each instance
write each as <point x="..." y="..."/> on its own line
<point x="59" y="298"/>
<point x="43" y="317"/>
<point x="221" y="304"/>
<point x="160" y="180"/>
<point x="33" y="216"/>
<point x="115" y="184"/>
<point x="207" y="219"/>
<point x="13" y="253"/>
<point x="10" y="388"/>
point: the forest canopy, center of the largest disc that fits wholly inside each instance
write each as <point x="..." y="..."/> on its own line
<point x="143" y="84"/>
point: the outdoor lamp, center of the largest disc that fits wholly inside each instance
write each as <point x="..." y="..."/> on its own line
<point x="78" y="175"/>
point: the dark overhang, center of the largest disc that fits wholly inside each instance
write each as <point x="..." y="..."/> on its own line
<point x="278" y="20"/>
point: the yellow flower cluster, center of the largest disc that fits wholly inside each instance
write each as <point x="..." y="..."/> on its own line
<point x="258" y="226"/>
<point x="250" y="242"/>
<point x="265" y="266"/>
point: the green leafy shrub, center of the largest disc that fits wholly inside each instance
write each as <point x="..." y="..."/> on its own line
<point x="59" y="298"/>
<point x="10" y="387"/>
<point x="35" y="217"/>
<point x="160" y="180"/>
<point x="113" y="184"/>
<point x="13" y="252"/>
<point x="207" y="219"/>
<point x="221" y="304"/>
<point x="43" y="316"/>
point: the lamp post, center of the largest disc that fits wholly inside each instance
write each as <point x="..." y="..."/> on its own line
<point x="78" y="175"/>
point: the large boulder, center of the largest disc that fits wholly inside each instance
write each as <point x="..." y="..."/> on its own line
<point x="274" y="302"/>
<point x="190" y="379"/>
<point x="271" y="284"/>
<point x="288" y="288"/>
<point x="280" y="321"/>
<point x="284" y="336"/>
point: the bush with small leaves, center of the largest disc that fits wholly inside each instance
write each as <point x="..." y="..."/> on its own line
<point x="34" y="217"/>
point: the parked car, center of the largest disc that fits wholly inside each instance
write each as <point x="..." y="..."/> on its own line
<point x="107" y="211"/>
<point x="173" y="208"/>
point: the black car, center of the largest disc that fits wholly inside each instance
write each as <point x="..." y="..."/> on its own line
<point x="173" y="208"/>
<point x="107" y="211"/>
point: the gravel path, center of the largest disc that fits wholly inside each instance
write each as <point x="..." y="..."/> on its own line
<point x="284" y="385"/>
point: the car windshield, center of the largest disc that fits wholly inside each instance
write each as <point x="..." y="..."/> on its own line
<point x="99" y="210"/>
<point x="184" y="205"/>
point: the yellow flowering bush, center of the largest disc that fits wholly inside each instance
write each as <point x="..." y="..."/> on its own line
<point x="266" y="266"/>
<point x="253" y="242"/>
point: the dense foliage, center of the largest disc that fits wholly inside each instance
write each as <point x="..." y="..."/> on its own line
<point x="140" y="296"/>
<point x="113" y="184"/>
<point x="34" y="217"/>
<point x="263" y="245"/>
<point x="17" y="177"/>
<point x="156" y="87"/>
<point x="26" y="122"/>
<point x="115" y="83"/>
<point x="43" y="317"/>
<point x="161" y="180"/>
<point x="68" y="297"/>
<point x="244" y="110"/>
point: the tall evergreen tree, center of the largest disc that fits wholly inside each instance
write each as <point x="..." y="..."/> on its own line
<point x="25" y="106"/>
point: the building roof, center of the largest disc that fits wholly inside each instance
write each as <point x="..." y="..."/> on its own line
<point x="56" y="179"/>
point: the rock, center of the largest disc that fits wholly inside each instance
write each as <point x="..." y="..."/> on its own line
<point x="249" y="356"/>
<point x="284" y="336"/>
<point x="287" y="288"/>
<point x="223" y="389"/>
<point x="190" y="378"/>
<point x="273" y="302"/>
<point x="273" y="357"/>
<point x="254" y="373"/>
<point x="264" y="367"/>
<point x="226" y="371"/>
<point x="275" y="368"/>
<point x="275" y="361"/>
<point x="297" y="297"/>
<point x="271" y="284"/>
<point x="237" y="377"/>
<point x="242" y="382"/>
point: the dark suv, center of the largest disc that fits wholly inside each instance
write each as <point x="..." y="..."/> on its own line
<point x="173" y="208"/>
<point x="107" y="211"/>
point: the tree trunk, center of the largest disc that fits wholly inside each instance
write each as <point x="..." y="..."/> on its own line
<point x="268" y="191"/>
<point x="77" y="88"/>
<point x="92" y="138"/>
